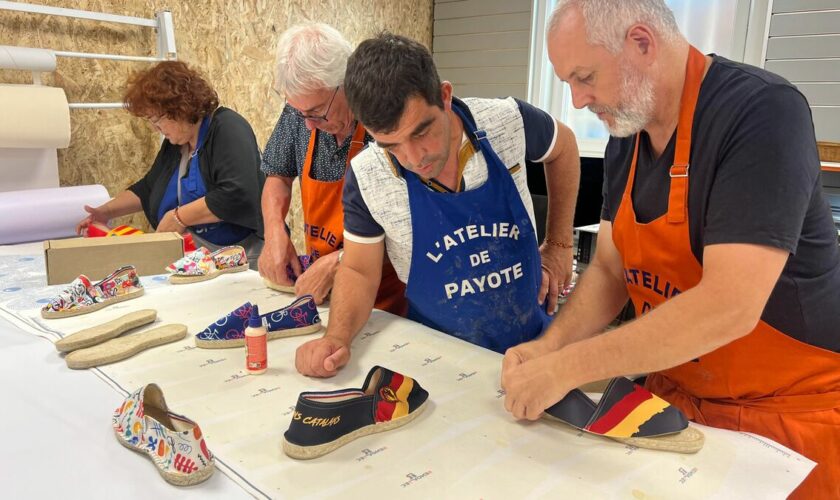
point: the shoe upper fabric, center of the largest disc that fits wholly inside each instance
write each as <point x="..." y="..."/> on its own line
<point x="202" y="262"/>
<point x="300" y="313"/>
<point x="195" y="263"/>
<point x="82" y="293"/>
<point x="625" y="410"/>
<point x="174" y="442"/>
<point x="322" y="417"/>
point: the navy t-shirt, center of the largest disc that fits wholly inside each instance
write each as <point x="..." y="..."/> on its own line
<point x="754" y="178"/>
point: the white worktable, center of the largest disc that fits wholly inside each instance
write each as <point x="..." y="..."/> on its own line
<point x="464" y="446"/>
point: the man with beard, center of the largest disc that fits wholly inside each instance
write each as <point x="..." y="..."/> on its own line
<point x="713" y="224"/>
<point x="444" y="191"/>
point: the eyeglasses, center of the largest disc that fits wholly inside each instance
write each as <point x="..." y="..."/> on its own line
<point x="318" y="118"/>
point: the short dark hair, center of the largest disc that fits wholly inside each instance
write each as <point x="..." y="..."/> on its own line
<point x="171" y="89"/>
<point x="382" y="73"/>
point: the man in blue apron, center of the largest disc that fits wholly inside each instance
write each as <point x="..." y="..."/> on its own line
<point x="444" y="191"/>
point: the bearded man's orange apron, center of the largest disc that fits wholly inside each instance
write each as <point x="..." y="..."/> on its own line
<point x="766" y="382"/>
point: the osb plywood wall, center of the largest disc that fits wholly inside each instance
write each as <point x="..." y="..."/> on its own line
<point x="231" y="42"/>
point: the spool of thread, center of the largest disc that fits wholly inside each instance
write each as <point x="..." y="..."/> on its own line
<point x="256" y="344"/>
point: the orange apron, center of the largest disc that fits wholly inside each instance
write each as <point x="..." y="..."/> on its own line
<point x="323" y="218"/>
<point x="767" y="382"/>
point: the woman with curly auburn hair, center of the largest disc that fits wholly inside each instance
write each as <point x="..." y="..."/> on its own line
<point x="206" y="178"/>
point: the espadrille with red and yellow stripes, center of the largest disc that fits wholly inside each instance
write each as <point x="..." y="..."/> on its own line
<point x="325" y="421"/>
<point x="631" y="414"/>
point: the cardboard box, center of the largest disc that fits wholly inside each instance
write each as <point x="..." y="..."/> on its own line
<point x="98" y="257"/>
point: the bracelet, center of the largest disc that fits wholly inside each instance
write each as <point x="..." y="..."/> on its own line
<point x="178" y="219"/>
<point x="551" y="242"/>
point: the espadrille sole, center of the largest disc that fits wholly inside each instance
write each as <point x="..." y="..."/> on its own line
<point x="278" y="334"/>
<point x="124" y="347"/>
<point x="174" y="478"/>
<point x="688" y="440"/>
<point x="315" y="451"/>
<point x="279" y="288"/>
<point x="177" y="279"/>
<point x="106" y="331"/>
<point x="89" y="309"/>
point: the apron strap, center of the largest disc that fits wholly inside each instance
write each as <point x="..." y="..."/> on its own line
<point x="310" y="150"/>
<point x="356" y="143"/>
<point x="678" y="196"/>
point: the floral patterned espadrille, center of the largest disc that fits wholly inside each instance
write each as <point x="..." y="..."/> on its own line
<point x="82" y="297"/>
<point x="174" y="443"/>
<point x="202" y="265"/>
<point x="298" y="318"/>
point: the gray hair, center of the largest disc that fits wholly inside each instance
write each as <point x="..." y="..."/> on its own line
<point x="310" y="57"/>
<point x="607" y="21"/>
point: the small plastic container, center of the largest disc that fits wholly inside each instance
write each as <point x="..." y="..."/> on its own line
<point x="256" y="344"/>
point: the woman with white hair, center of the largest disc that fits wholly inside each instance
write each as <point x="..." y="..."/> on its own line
<point x="314" y="139"/>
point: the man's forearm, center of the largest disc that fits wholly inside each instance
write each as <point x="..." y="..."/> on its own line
<point x="276" y="198"/>
<point x="352" y="301"/>
<point x="685" y="327"/>
<point x="562" y="175"/>
<point x="596" y="301"/>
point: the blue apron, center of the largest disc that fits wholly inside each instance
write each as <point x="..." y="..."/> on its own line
<point x="475" y="265"/>
<point x="192" y="188"/>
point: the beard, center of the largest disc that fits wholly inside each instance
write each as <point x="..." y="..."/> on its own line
<point x="635" y="107"/>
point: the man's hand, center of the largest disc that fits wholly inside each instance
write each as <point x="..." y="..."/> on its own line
<point x="276" y="256"/>
<point x="322" y="357"/>
<point x="318" y="279"/>
<point x="557" y="266"/>
<point x="98" y="214"/>
<point x="168" y="224"/>
<point x="534" y="385"/>
<point x="524" y="352"/>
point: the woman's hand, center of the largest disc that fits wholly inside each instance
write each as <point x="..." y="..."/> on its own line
<point x="168" y="224"/>
<point x="99" y="215"/>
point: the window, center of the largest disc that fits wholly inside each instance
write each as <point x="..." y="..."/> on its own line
<point x="718" y="26"/>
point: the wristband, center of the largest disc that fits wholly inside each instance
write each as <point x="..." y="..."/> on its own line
<point x="551" y="242"/>
<point x="178" y="219"/>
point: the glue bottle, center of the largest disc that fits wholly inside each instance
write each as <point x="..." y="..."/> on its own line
<point x="256" y="360"/>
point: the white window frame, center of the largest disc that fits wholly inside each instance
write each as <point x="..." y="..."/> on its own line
<point x="547" y="92"/>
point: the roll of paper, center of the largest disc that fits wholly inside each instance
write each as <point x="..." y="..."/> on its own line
<point x="26" y="59"/>
<point x="34" y="116"/>
<point x="43" y="214"/>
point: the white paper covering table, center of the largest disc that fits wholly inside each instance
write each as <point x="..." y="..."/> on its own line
<point x="464" y="445"/>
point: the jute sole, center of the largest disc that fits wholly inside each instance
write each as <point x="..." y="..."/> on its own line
<point x="315" y="451"/>
<point x="688" y="440"/>
<point x="175" y="478"/>
<point x="124" y="347"/>
<point x="89" y="309"/>
<point x="279" y="334"/>
<point x="176" y="279"/>
<point x="106" y="331"/>
<point x="279" y="288"/>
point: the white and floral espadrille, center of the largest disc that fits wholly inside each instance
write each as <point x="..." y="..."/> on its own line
<point x="144" y="424"/>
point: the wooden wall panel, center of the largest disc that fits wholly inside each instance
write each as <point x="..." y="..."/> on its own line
<point x="231" y="42"/>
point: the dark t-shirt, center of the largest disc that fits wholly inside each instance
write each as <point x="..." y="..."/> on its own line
<point x="229" y="162"/>
<point x="754" y="178"/>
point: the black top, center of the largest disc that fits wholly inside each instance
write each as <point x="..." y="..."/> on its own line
<point x="230" y="168"/>
<point x="754" y="178"/>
